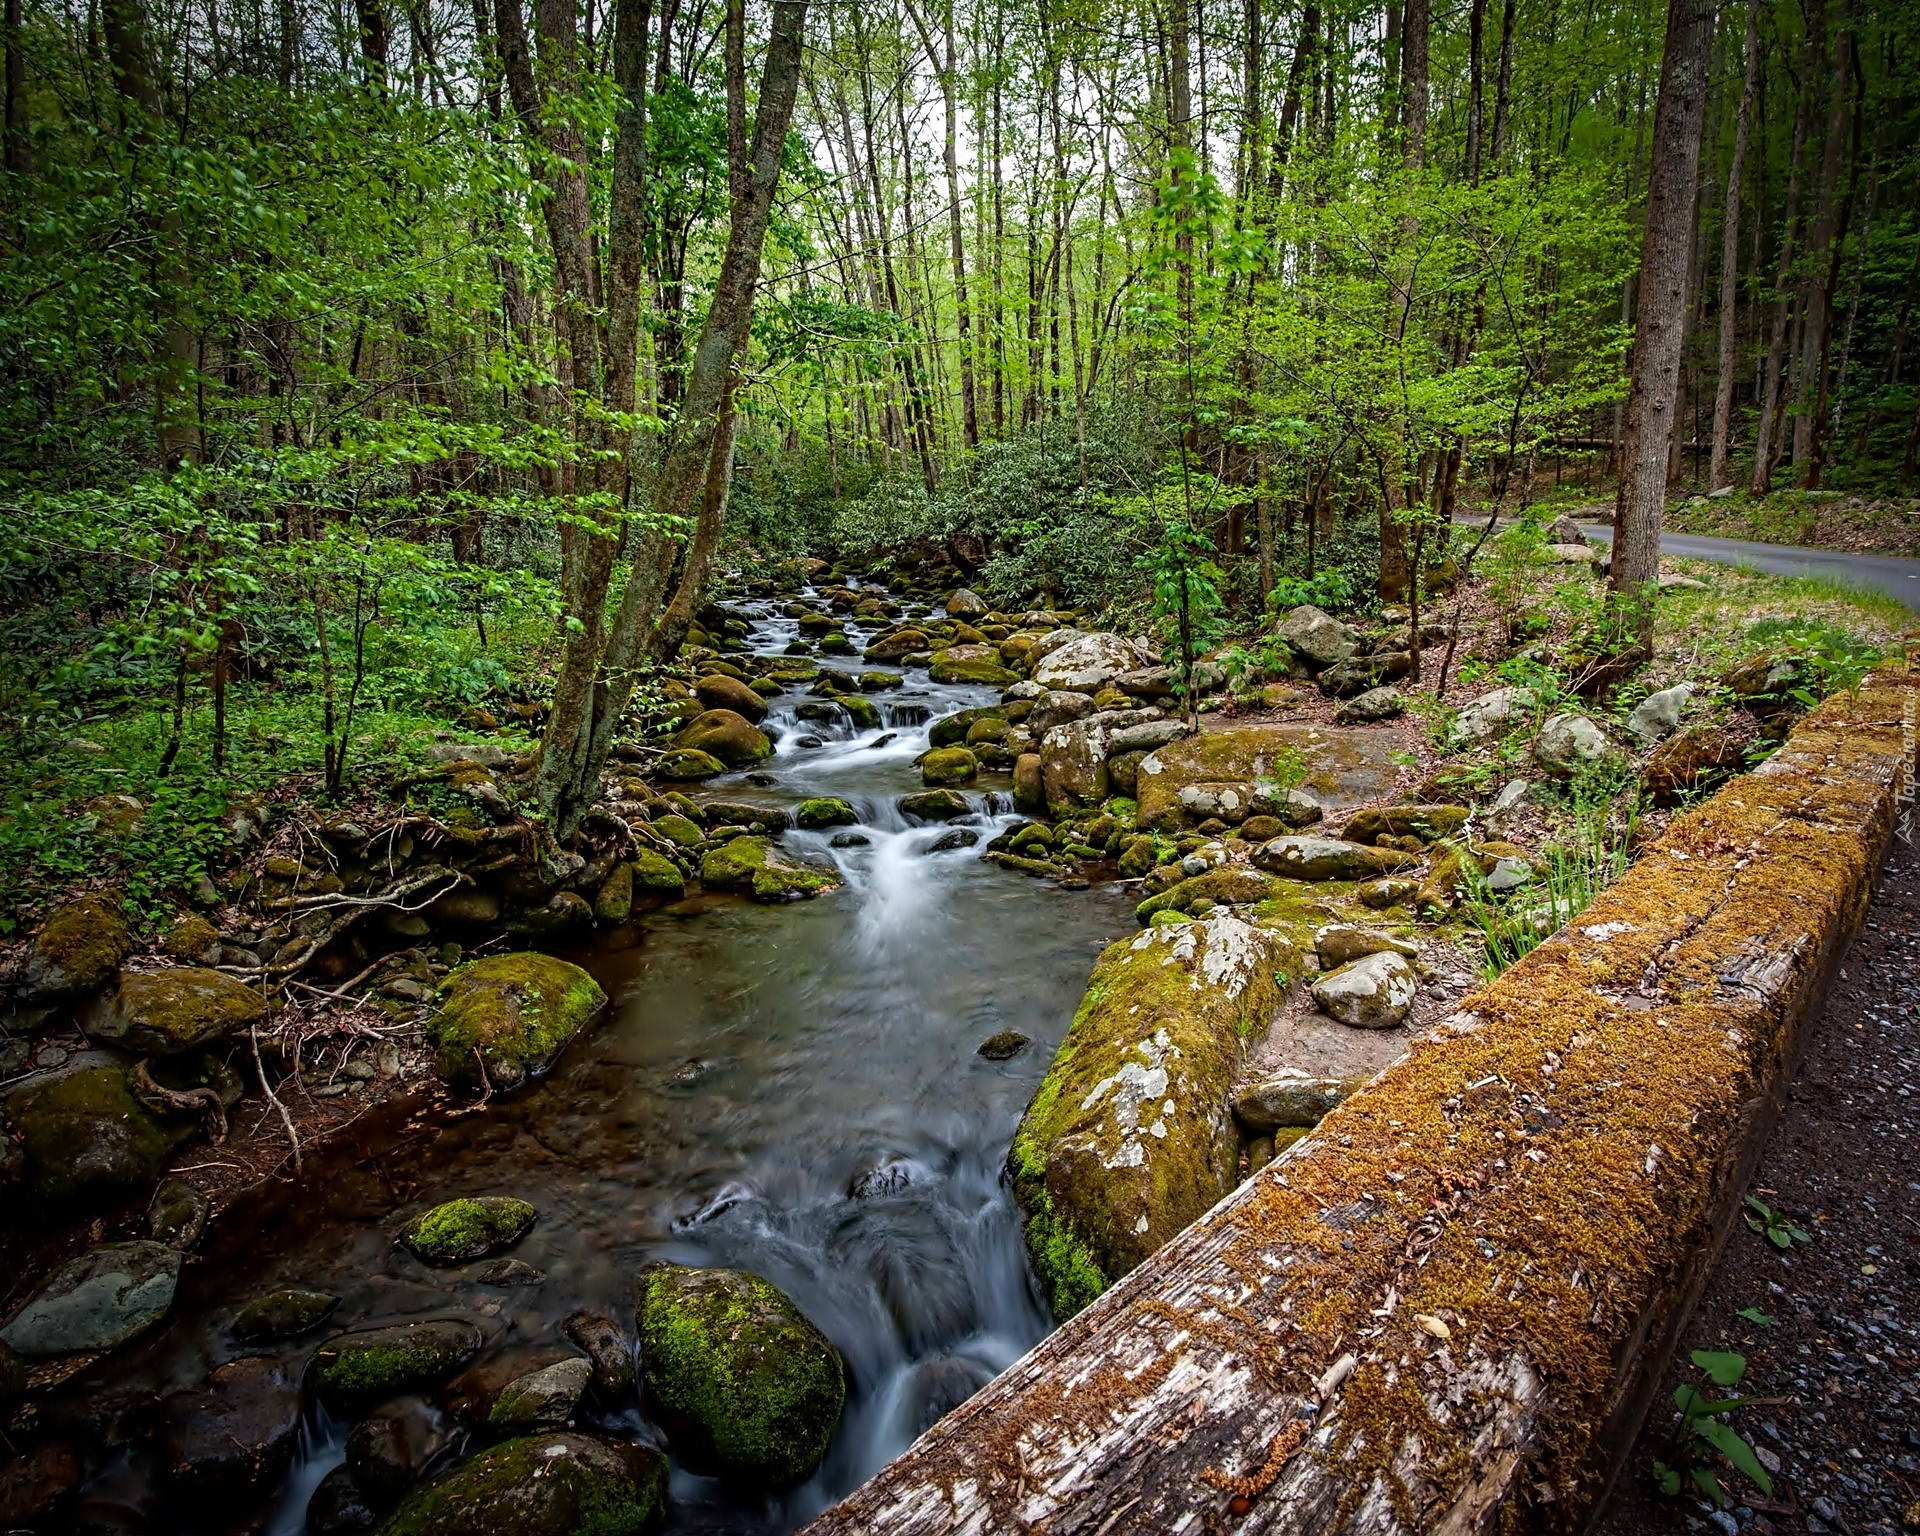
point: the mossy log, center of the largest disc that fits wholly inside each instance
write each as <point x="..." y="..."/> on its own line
<point x="1448" y="1309"/>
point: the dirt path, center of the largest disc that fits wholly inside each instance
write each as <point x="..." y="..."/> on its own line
<point x="1841" y="1361"/>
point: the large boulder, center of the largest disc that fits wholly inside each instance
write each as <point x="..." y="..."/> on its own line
<point x="1316" y="637"/>
<point x="502" y="1021"/>
<point x="1128" y="1139"/>
<point x="743" y="1381"/>
<point x="558" y="1484"/>
<point x="948" y="765"/>
<point x="1341" y="767"/>
<point x="234" y="1437"/>
<point x="1307" y="857"/>
<point x="172" y="1012"/>
<point x="1567" y="743"/>
<point x="966" y="605"/>
<point x="718" y="691"/>
<point x="106" y="1296"/>
<point x="978" y="664"/>
<point x="77" y="950"/>
<point x="375" y="1363"/>
<point x="1363" y="674"/>
<point x="1143" y="736"/>
<point x="951" y="730"/>
<point x="935" y="805"/>
<point x="750" y="864"/>
<point x="1057" y="706"/>
<point x="726" y="736"/>
<point x="823" y="812"/>
<point x="85" y="1132"/>
<point x="1073" y="765"/>
<point x="1373" y="992"/>
<point x="456" y="1231"/>
<point x="1371" y="707"/>
<point x="1289" y="1099"/>
<point x="1087" y="662"/>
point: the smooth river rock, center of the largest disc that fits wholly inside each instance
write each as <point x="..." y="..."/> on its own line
<point x="99" y="1300"/>
<point x="1374" y="992"/>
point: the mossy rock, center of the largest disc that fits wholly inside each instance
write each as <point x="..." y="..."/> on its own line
<point x="613" y="902"/>
<point x="559" y="1484"/>
<point x="1137" y="857"/>
<point x="935" y="805"/>
<point x="513" y="1012"/>
<point x="679" y="830"/>
<point x="78" y="949"/>
<point x="1429" y="823"/>
<point x="1229" y="885"/>
<point x="192" y="939"/>
<point x="373" y="1363"/>
<point x="1129" y="1138"/>
<point x="459" y="1230"/>
<point x="685" y="764"/>
<point x="827" y="811"/>
<point x="86" y="1134"/>
<point x="949" y="765"/>
<point x="747" y="864"/>
<point x="738" y="1374"/>
<point x="951" y="730"/>
<point x="657" y="874"/>
<point x="284" y="1314"/>
<point x="1347" y="765"/>
<point x="733" y="739"/>
<point x="982" y="671"/>
<point x="864" y="713"/>
<point x="173" y="1012"/>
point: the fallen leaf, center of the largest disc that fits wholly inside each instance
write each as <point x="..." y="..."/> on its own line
<point x="1433" y="1325"/>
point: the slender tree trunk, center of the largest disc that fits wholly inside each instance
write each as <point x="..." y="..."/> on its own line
<point x="1503" y="90"/>
<point x="17" y="161"/>
<point x="1660" y="316"/>
<point x="1718" y="475"/>
<point x="1816" y="287"/>
<point x="1764" y="453"/>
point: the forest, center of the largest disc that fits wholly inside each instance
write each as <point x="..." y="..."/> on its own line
<point x="605" y="604"/>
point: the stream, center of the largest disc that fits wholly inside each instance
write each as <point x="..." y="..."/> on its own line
<point x="790" y="1090"/>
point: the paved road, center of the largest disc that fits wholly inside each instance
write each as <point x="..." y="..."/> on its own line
<point x="1878" y="573"/>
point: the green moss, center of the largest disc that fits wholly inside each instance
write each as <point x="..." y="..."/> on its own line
<point x="951" y="730"/>
<point x="654" y="871"/>
<point x="679" y="830"/>
<point x="949" y="765"/>
<point x="1068" y="1273"/>
<point x="381" y="1361"/>
<point x="685" y="763"/>
<point x="79" y="947"/>
<point x="1229" y="885"/>
<point x="748" y="1383"/>
<point x="86" y="1133"/>
<point x="541" y="1485"/>
<point x="517" y="1011"/>
<point x="468" y="1229"/>
<point x="734" y="864"/>
<point x="970" y="669"/>
<point x="826" y="811"/>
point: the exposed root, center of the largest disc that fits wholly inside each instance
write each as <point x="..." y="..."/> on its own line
<point x="191" y="1101"/>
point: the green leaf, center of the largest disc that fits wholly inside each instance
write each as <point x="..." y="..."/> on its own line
<point x="1728" y="1443"/>
<point x="1722" y="1369"/>
<point x="1755" y="1315"/>
<point x="1667" y="1478"/>
<point x="1710" y="1486"/>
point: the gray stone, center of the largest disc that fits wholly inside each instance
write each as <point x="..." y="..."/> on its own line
<point x="542" y="1399"/>
<point x="1374" y="705"/>
<point x="1026" y="688"/>
<point x="1316" y="637"/>
<point x="1144" y="737"/>
<point x="1567" y="531"/>
<point x="1509" y="874"/>
<point x="99" y="1300"/>
<point x="1658" y="714"/>
<point x="1484" y="716"/>
<point x="486" y="754"/>
<point x="1232" y="803"/>
<point x="1296" y="808"/>
<point x="1288" y="1098"/>
<point x="608" y="1350"/>
<point x="965" y="604"/>
<point x="1326" y="858"/>
<point x="1073" y="766"/>
<point x="1146" y="683"/>
<point x="1057" y="706"/>
<point x="1374" y="992"/>
<point x="1511" y="795"/>
<point x="234" y="1437"/>
<point x="1364" y="674"/>
<point x="1568" y="743"/>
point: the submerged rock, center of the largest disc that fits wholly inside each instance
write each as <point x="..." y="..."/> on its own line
<point x="284" y="1314"/>
<point x="233" y="1438"/>
<point x="373" y="1363"/>
<point x="177" y="1215"/>
<point x="459" y="1230"/>
<point x="542" y="1399"/>
<point x="106" y="1296"/>
<point x="601" y="1340"/>
<point x="560" y="1484"/>
<point x="503" y="1020"/>
<point x="1128" y="1139"/>
<point x="743" y="1381"/>
<point x="1003" y="1046"/>
<point x="391" y="1448"/>
<point x="339" y="1508"/>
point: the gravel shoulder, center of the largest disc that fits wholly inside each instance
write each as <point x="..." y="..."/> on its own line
<point x="1839" y="1368"/>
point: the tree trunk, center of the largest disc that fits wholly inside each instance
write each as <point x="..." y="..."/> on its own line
<point x="1816" y="286"/>
<point x="1660" y="315"/>
<point x="595" y="689"/>
<point x="1763" y="441"/>
<point x="1717" y="474"/>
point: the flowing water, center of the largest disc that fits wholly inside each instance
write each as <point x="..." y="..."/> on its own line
<point x="791" y="1090"/>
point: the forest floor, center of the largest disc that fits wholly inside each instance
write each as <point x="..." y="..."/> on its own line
<point x="1830" y="1328"/>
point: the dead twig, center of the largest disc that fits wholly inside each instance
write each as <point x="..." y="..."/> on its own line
<point x="293" y="1137"/>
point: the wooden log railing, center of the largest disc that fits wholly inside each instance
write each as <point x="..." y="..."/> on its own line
<point x="1447" y="1310"/>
